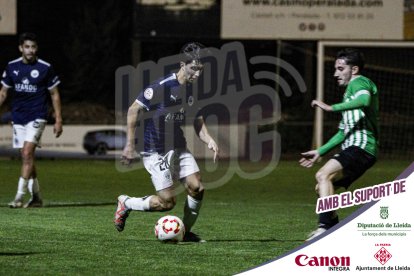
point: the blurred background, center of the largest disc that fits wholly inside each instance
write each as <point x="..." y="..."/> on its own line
<point x="86" y="41"/>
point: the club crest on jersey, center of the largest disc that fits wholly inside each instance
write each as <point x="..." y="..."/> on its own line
<point x="148" y="93"/>
<point x="34" y="73"/>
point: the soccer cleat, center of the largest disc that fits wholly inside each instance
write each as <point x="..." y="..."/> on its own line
<point x="15" y="204"/>
<point x="315" y="233"/>
<point x="34" y="203"/>
<point x="191" y="237"/>
<point x="121" y="214"/>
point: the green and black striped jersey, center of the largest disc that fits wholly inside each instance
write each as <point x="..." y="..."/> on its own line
<point x="360" y="124"/>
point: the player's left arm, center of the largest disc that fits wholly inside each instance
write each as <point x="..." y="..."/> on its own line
<point x="204" y="135"/>
<point x="56" y="103"/>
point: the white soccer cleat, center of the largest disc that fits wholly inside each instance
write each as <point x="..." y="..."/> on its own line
<point x="15" y="204"/>
<point x="316" y="233"/>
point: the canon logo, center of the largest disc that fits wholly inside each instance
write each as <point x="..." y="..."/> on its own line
<point x="304" y="260"/>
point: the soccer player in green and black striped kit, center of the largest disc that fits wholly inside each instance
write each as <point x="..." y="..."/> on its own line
<point x="357" y="134"/>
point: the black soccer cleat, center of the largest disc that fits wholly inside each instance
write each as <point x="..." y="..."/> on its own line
<point x="191" y="237"/>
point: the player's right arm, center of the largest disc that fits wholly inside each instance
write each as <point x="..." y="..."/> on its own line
<point x="203" y="134"/>
<point x="129" y="152"/>
<point x="6" y="82"/>
<point x="3" y="94"/>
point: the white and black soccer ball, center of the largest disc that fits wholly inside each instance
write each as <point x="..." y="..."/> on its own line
<point x="169" y="229"/>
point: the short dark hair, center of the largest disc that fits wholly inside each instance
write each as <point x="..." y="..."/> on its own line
<point x="27" y="36"/>
<point x="352" y="57"/>
<point x="192" y="51"/>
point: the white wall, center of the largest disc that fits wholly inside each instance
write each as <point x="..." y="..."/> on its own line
<point x="231" y="139"/>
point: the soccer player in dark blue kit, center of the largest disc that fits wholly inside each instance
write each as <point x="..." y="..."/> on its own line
<point x="32" y="81"/>
<point x="165" y="154"/>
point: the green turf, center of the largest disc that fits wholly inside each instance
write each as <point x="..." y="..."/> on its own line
<point x="246" y="222"/>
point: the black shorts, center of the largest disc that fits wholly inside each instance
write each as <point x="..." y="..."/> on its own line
<point x="355" y="162"/>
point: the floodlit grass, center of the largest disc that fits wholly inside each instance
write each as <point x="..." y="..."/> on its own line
<point x="246" y="222"/>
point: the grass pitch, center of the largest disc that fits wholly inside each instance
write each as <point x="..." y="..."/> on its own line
<point x="245" y="222"/>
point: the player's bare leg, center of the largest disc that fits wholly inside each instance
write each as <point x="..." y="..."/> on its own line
<point x="192" y="205"/>
<point x="27" y="154"/>
<point x="324" y="187"/>
<point x="29" y="172"/>
<point x="164" y="200"/>
<point x="325" y="175"/>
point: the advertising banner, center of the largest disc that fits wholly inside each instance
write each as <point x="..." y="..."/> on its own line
<point x="313" y="19"/>
<point x="8" y="20"/>
<point x="375" y="240"/>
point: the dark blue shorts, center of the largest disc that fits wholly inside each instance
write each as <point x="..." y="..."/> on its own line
<point x="355" y="162"/>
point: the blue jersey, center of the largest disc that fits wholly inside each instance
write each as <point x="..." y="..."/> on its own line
<point x="30" y="83"/>
<point x="165" y="114"/>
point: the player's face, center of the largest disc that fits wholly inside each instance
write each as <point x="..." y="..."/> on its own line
<point x="343" y="72"/>
<point x="192" y="70"/>
<point x="28" y="50"/>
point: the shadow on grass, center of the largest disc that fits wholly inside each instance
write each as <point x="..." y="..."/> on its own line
<point x="239" y="241"/>
<point x="253" y="240"/>
<point x="217" y="241"/>
<point x="70" y="204"/>
<point x="19" y="253"/>
<point x="77" y="204"/>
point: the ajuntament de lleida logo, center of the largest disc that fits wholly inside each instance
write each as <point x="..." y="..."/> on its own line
<point x="384" y="212"/>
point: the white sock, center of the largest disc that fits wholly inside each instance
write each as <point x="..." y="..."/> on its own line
<point x="21" y="189"/>
<point x="191" y="209"/>
<point x="138" y="203"/>
<point x="33" y="187"/>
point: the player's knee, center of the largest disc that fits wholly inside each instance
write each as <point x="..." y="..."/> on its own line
<point x="196" y="191"/>
<point x="26" y="154"/>
<point x="167" y="205"/>
<point x="321" y="176"/>
<point x="317" y="189"/>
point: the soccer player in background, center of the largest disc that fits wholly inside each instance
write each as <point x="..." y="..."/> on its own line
<point x="358" y="133"/>
<point x="32" y="81"/>
<point x="165" y="154"/>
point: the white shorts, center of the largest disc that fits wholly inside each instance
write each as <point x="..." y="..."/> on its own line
<point x="166" y="169"/>
<point x="30" y="132"/>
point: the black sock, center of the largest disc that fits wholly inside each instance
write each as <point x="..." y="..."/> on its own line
<point x="328" y="219"/>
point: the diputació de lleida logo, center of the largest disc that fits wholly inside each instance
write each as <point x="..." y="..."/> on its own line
<point x="384" y="212"/>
